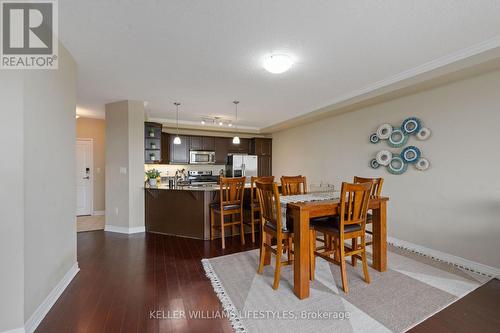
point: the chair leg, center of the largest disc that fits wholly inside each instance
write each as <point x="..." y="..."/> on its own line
<point x="363" y="258"/>
<point x="262" y="254"/>
<point x="354" y="246"/>
<point x="222" y="231"/>
<point x="343" y="270"/>
<point x="312" y="259"/>
<point x="212" y="222"/>
<point x="233" y="227"/>
<point x="252" y="222"/>
<point x="279" y="253"/>
<point x="242" y="229"/>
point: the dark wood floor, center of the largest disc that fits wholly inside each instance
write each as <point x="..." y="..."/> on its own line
<point x="123" y="278"/>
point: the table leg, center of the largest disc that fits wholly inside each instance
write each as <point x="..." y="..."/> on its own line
<point x="380" y="237"/>
<point x="267" y="253"/>
<point x="301" y="255"/>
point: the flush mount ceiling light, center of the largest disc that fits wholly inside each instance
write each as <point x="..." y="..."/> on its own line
<point x="177" y="139"/>
<point x="236" y="138"/>
<point x="277" y="63"/>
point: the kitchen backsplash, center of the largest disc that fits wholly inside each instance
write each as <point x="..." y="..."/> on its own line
<point x="169" y="169"/>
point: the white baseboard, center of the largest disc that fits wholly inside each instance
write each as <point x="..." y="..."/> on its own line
<point x="98" y="213"/>
<point x="446" y="257"/>
<point x="124" y="230"/>
<point x="42" y="310"/>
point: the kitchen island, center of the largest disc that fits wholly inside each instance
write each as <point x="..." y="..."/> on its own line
<point x="183" y="211"/>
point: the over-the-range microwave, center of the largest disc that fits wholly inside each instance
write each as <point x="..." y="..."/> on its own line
<point x="201" y="157"/>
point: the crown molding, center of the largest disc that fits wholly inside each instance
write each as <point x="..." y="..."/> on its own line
<point x="433" y="70"/>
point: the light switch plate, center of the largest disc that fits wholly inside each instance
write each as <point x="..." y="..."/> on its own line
<point x="123" y="170"/>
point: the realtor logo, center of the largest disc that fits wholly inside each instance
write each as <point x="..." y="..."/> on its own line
<point x="29" y="34"/>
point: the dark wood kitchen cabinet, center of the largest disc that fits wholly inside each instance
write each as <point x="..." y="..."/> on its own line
<point x="202" y="143"/>
<point x="242" y="148"/>
<point x="221" y="150"/>
<point x="261" y="146"/>
<point x="264" y="166"/>
<point x="179" y="154"/>
<point x="165" y="148"/>
<point x="152" y="142"/>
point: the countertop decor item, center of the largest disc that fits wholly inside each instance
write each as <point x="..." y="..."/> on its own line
<point x="152" y="175"/>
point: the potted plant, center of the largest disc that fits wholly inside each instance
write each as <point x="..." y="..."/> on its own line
<point x="152" y="175"/>
<point x="151" y="133"/>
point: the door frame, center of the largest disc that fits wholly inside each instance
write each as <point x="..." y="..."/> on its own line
<point x="91" y="175"/>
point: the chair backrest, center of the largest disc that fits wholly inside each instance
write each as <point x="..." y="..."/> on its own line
<point x="292" y="185"/>
<point x="354" y="204"/>
<point x="263" y="179"/>
<point x="377" y="184"/>
<point x="232" y="190"/>
<point x="270" y="206"/>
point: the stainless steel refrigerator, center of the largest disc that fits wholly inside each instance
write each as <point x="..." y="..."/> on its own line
<point x="238" y="165"/>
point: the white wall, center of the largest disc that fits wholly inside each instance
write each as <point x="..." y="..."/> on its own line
<point x="453" y="207"/>
<point x="11" y="201"/>
<point x="37" y="188"/>
<point x="49" y="164"/>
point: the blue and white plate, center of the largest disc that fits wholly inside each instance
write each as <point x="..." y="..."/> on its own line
<point x="411" y="125"/>
<point x="410" y="154"/>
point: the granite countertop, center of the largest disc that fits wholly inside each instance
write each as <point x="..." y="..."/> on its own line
<point x="189" y="187"/>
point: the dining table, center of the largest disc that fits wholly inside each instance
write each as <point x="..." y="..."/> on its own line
<point x="302" y="208"/>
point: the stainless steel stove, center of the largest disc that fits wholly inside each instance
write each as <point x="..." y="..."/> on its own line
<point x="202" y="178"/>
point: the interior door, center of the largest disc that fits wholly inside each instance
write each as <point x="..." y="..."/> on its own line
<point x="84" y="165"/>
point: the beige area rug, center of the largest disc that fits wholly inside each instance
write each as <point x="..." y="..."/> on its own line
<point x="89" y="223"/>
<point x="411" y="290"/>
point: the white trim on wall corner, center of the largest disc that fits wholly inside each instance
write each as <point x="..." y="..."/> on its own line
<point x="42" y="310"/>
<point x="98" y="213"/>
<point x="446" y="257"/>
<point x="124" y="230"/>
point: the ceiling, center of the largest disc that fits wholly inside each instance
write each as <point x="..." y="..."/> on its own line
<point x="205" y="54"/>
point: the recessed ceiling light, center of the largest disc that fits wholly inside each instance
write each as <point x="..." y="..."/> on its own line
<point x="277" y="63"/>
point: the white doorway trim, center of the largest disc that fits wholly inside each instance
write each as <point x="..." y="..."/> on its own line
<point x="91" y="175"/>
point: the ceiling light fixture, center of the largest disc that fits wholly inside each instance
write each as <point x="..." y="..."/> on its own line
<point x="203" y="121"/>
<point x="277" y="63"/>
<point x="177" y="139"/>
<point x="236" y="138"/>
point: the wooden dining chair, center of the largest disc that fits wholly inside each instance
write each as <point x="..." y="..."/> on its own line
<point x="293" y="185"/>
<point x="375" y="192"/>
<point x="272" y="227"/>
<point x="350" y="224"/>
<point x="254" y="201"/>
<point x="230" y="204"/>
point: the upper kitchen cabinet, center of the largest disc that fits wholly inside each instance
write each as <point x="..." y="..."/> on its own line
<point x="165" y="148"/>
<point x="261" y="146"/>
<point x="242" y="148"/>
<point x="202" y="143"/>
<point x="152" y="142"/>
<point x="179" y="154"/>
<point x="221" y="150"/>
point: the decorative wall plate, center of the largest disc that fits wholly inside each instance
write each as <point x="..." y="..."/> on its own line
<point x="424" y="133"/>
<point x="410" y="154"/>
<point x="374" y="138"/>
<point x="397" y="138"/>
<point x="397" y="166"/>
<point x="411" y="125"/>
<point x="384" y="131"/>
<point x="384" y="157"/>
<point x="374" y="164"/>
<point x="422" y="164"/>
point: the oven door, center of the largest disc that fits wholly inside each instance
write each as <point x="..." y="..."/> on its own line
<point x="201" y="157"/>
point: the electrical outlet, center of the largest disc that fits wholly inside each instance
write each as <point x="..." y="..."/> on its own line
<point x="123" y="170"/>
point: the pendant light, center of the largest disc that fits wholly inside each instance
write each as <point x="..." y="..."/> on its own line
<point x="236" y="138"/>
<point x="177" y="139"/>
